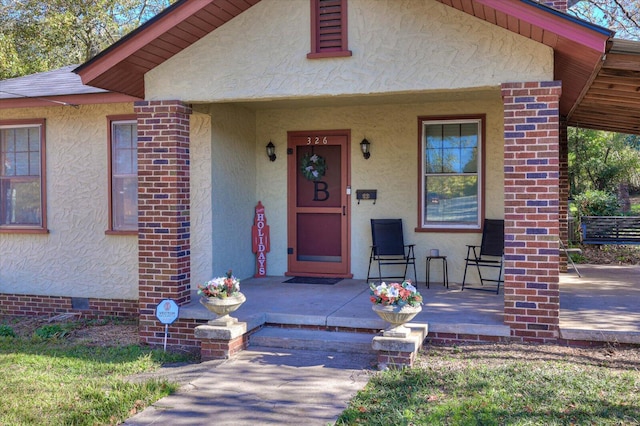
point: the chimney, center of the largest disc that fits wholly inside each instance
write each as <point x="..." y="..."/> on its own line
<point x="560" y="5"/>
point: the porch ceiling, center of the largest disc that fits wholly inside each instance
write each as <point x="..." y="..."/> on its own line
<point x="612" y="100"/>
<point x="600" y="75"/>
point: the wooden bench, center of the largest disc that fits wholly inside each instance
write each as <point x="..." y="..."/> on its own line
<point x="610" y="229"/>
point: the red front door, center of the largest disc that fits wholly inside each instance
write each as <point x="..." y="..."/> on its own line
<point x="318" y="203"/>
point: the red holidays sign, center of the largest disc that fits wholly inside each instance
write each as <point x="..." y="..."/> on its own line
<point x="260" y="237"/>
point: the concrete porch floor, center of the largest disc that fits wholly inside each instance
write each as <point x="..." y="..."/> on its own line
<point x="602" y="305"/>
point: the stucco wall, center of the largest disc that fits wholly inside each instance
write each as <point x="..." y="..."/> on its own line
<point x="200" y="187"/>
<point x="398" y="47"/>
<point x="75" y="258"/>
<point x="224" y="192"/>
<point x="392" y="170"/>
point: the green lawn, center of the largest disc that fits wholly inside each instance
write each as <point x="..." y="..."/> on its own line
<point x="47" y="380"/>
<point x="500" y="388"/>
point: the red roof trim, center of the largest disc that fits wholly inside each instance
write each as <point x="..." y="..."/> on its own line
<point x="550" y="22"/>
<point x="146" y="34"/>
<point x="69" y="100"/>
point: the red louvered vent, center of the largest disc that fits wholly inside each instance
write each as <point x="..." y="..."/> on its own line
<point x="329" y="25"/>
<point x="328" y="29"/>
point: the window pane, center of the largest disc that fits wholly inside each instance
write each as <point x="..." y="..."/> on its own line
<point x="21" y="204"/>
<point x="123" y="162"/>
<point x="451" y="199"/>
<point x="124" y="137"/>
<point x="21" y="138"/>
<point x="34" y="139"/>
<point x="433" y="149"/>
<point x="20" y="180"/>
<point x="124" y="158"/>
<point x="124" y="149"/>
<point x="451" y="181"/>
<point x="34" y="163"/>
<point x="451" y="148"/>
<point x="125" y="203"/>
<point x="22" y="163"/>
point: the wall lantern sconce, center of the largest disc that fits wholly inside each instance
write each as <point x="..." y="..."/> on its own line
<point x="271" y="151"/>
<point x="364" y="147"/>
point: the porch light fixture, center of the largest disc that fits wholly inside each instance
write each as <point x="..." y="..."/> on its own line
<point x="364" y="147"/>
<point x="271" y="151"/>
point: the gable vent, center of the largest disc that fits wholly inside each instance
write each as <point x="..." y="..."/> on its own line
<point x="329" y="25"/>
<point x="328" y="28"/>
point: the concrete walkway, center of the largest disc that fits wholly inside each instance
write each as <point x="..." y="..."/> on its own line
<point x="602" y="305"/>
<point x="263" y="387"/>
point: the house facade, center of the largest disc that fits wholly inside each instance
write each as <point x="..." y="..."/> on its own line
<point x="464" y="107"/>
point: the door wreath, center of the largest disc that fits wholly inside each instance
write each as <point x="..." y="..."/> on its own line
<point x="313" y="166"/>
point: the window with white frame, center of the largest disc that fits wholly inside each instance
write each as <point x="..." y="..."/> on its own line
<point x="22" y="183"/>
<point x="123" y="150"/>
<point x="451" y="183"/>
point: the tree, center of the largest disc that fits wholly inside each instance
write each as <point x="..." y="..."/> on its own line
<point x="40" y="35"/>
<point x="603" y="161"/>
<point x="621" y="16"/>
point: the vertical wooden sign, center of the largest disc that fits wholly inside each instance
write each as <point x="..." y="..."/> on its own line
<point x="260" y="238"/>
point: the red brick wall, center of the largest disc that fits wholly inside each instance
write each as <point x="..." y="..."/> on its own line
<point x="181" y="333"/>
<point x="563" y="183"/>
<point x="164" y="243"/>
<point x="531" y="180"/>
<point x="30" y="305"/>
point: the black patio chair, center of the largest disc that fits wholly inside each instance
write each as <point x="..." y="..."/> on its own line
<point x="490" y="255"/>
<point x="389" y="249"/>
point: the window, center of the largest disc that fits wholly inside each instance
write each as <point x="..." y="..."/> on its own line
<point x="123" y="161"/>
<point x="328" y="29"/>
<point x="22" y="185"/>
<point x="451" y="184"/>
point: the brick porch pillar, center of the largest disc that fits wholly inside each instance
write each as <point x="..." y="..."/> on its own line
<point x="563" y="206"/>
<point x="164" y="244"/>
<point x="531" y="180"/>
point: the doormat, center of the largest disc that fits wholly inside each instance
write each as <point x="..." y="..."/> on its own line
<point x="313" y="280"/>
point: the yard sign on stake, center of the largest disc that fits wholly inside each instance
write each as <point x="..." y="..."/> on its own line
<point x="167" y="312"/>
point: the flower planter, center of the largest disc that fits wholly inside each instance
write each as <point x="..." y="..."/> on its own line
<point x="397" y="316"/>
<point x="223" y="307"/>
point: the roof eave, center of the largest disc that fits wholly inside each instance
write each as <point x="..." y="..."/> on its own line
<point x="129" y="44"/>
<point x="66" y="100"/>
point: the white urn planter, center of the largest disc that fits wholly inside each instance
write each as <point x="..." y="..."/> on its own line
<point x="397" y="317"/>
<point x="223" y="307"/>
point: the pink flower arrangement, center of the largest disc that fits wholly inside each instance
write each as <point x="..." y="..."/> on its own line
<point x="395" y="294"/>
<point x="221" y="287"/>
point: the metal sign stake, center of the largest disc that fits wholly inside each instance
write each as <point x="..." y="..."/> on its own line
<point x="167" y="312"/>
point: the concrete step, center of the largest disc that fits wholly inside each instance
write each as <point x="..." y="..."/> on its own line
<point x="334" y="341"/>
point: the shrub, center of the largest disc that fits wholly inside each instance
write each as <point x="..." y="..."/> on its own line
<point x="6" y="331"/>
<point x="52" y="331"/>
<point x="597" y="203"/>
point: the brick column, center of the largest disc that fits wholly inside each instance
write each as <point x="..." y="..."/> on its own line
<point x="563" y="183"/>
<point x="531" y="167"/>
<point x="164" y="245"/>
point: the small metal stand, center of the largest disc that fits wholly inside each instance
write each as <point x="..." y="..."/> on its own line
<point x="445" y="271"/>
<point x="567" y="252"/>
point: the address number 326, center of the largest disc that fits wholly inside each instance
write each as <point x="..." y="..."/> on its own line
<point x="317" y="140"/>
